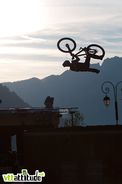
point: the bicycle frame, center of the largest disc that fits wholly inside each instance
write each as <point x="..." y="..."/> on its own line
<point x="77" y="53"/>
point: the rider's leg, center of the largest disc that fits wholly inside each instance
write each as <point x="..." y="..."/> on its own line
<point x="75" y="59"/>
<point x="96" y="57"/>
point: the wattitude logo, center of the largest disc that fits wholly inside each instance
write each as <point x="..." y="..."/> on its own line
<point x="24" y="176"/>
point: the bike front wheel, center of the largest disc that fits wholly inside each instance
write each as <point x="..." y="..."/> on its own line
<point x="66" y="45"/>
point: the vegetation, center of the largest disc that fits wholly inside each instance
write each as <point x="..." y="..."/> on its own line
<point x="75" y="119"/>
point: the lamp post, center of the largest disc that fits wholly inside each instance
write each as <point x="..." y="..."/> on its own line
<point x="105" y="87"/>
<point x="72" y="117"/>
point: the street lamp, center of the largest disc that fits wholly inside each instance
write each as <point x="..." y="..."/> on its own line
<point x="106" y="100"/>
<point x="105" y="87"/>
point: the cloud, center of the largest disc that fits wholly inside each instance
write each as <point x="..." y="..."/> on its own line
<point x="87" y="22"/>
<point x="81" y="3"/>
<point x="29" y="57"/>
<point x="36" y="53"/>
<point x="107" y="32"/>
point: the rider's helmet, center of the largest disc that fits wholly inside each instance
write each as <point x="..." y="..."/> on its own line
<point x="66" y="63"/>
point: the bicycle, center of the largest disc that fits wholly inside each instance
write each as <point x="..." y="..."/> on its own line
<point x="68" y="45"/>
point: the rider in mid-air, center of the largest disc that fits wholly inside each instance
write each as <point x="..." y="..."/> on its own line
<point x="89" y="52"/>
<point x="77" y="66"/>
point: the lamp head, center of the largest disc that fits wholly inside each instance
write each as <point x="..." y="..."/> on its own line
<point x="106" y="100"/>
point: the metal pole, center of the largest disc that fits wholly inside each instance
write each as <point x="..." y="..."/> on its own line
<point x="106" y="90"/>
<point x="116" y="101"/>
<point x="116" y="112"/>
<point x="72" y="113"/>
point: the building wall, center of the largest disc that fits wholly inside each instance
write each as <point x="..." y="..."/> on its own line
<point x="29" y="118"/>
<point x="68" y="157"/>
<point x="16" y="122"/>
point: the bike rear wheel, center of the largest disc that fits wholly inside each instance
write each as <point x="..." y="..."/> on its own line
<point x="96" y="49"/>
<point x="66" y="45"/>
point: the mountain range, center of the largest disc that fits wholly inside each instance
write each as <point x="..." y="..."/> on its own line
<point x="9" y="99"/>
<point x="76" y="89"/>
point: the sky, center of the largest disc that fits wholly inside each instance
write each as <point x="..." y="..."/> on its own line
<point x="30" y="30"/>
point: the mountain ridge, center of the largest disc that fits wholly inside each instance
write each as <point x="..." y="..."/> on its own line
<point x="10" y="99"/>
<point x="79" y="89"/>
